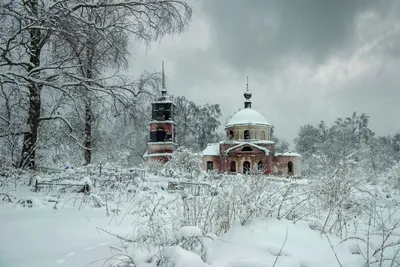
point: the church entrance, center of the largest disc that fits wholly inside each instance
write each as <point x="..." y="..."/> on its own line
<point x="246" y="167"/>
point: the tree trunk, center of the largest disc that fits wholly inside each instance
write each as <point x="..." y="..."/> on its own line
<point x="31" y="136"/>
<point x="87" y="154"/>
<point x="88" y="133"/>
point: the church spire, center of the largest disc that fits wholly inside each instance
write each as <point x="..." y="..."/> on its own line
<point x="164" y="88"/>
<point x="247" y="95"/>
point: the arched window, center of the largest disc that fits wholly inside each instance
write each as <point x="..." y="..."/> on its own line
<point x="290" y="168"/>
<point x="233" y="166"/>
<point x="247" y="148"/>
<point x="246" y="167"/>
<point x="260" y="166"/>
<point x="230" y="135"/>
<point x="160" y="135"/>
<point x="246" y="134"/>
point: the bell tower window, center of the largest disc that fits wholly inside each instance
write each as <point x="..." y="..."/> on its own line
<point x="160" y="135"/>
<point x="163" y="111"/>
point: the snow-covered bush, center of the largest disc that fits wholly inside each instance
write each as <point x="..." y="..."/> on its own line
<point x="192" y="239"/>
<point x="393" y="176"/>
<point x="155" y="167"/>
<point x="341" y="197"/>
<point x="159" y="233"/>
<point x="240" y="199"/>
<point x="185" y="163"/>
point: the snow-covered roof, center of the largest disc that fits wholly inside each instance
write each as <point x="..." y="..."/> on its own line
<point x="247" y="116"/>
<point x="211" y="150"/>
<point x="166" y="121"/>
<point x="248" y="141"/>
<point x="163" y="101"/>
<point x="147" y="155"/>
<point x="287" y="154"/>
<point x="263" y="142"/>
<point x="162" y="143"/>
<point x="266" y="151"/>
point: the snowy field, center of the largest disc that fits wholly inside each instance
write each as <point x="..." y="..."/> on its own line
<point x="44" y="237"/>
<point x="242" y="223"/>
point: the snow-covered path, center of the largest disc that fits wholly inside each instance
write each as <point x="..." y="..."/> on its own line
<point x="43" y="237"/>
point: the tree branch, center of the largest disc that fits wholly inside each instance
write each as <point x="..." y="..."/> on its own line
<point x="59" y="118"/>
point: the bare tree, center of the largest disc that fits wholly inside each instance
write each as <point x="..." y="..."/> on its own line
<point x="95" y="31"/>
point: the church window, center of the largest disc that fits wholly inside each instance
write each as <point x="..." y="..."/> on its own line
<point x="290" y="168"/>
<point x="246" y="167"/>
<point x="247" y="148"/>
<point x="230" y="135"/>
<point x="246" y="134"/>
<point x="233" y="166"/>
<point x="210" y="165"/>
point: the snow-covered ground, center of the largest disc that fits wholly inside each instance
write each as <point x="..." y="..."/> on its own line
<point x="72" y="234"/>
<point x="260" y="242"/>
<point x="43" y="237"/>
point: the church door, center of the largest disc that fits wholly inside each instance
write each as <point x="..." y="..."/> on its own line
<point x="246" y="167"/>
<point x="233" y="166"/>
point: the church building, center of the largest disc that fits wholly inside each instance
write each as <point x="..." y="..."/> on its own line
<point x="248" y="148"/>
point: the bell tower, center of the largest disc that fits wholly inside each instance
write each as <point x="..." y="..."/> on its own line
<point x="162" y="126"/>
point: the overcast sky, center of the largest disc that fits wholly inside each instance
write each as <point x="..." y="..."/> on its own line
<point x="307" y="60"/>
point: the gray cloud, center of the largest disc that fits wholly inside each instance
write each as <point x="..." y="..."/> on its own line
<point x="308" y="60"/>
<point x="258" y="33"/>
